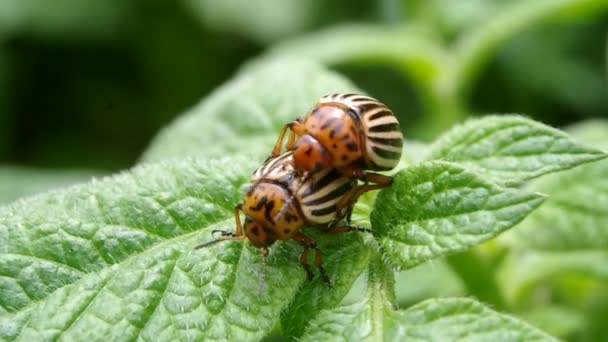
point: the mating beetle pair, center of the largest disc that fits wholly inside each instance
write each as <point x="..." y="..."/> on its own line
<point x="316" y="180"/>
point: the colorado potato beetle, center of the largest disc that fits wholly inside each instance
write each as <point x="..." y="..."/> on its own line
<point x="279" y="203"/>
<point x="350" y="132"/>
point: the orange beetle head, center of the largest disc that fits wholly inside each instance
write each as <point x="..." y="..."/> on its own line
<point x="257" y="234"/>
<point x="310" y="155"/>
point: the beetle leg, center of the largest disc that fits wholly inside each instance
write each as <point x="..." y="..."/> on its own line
<point x="350" y="198"/>
<point x="291" y="140"/>
<point x="354" y="171"/>
<point x="305" y="264"/>
<point x="295" y="129"/>
<point x="309" y="243"/>
<point x="226" y="235"/>
<point x="277" y="146"/>
<point x="378" y="179"/>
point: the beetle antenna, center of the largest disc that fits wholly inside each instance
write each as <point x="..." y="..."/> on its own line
<point x="225" y="236"/>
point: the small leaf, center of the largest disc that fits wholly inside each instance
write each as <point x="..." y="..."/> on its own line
<point x="511" y="149"/>
<point x="446" y="319"/>
<point x="437" y="208"/>
<point x="461" y="319"/>
<point x="245" y="115"/>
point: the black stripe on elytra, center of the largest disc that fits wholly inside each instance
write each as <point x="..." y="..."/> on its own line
<point x="338" y="191"/>
<point x="323" y="182"/>
<point x="380" y="114"/>
<point x="324" y="211"/>
<point x="362" y="108"/>
<point x="397" y="142"/>
<point x="390" y="127"/>
<point x="347" y="95"/>
<point x="385" y="153"/>
<point x="362" y="98"/>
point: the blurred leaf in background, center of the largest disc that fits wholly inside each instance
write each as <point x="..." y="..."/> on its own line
<point x="87" y="86"/>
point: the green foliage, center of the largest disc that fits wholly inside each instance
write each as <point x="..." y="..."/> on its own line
<point x="561" y="248"/>
<point x="511" y="149"/>
<point x="114" y="259"/>
<point x="501" y="209"/>
<point x="436" y="208"/>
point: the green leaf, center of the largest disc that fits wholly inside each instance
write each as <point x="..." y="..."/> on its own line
<point x="172" y="292"/>
<point x="463" y="319"/>
<point x="438" y="208"/>
<point x="575" y="216"/>
<point x="522" y="271"/>
<point x="245" y="115"/>
<point x="557" y="320"/>
<point x="264" y="21"/>
<point x="115" y="258"/>
<point x="399" y="46"/>
<point x="16" y="182"/>
<point x="347" y="256"/>
<point x="53" y="239"/>
<point x="449" y="319"/>
<point x="569" y="220"/>
<point x="511" y="149"/>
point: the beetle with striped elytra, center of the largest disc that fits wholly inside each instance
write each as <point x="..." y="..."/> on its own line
<point x="350" y="132"/>
<point x="279" y="203"/>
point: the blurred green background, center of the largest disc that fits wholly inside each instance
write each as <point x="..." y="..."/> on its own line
<point x="87" y="84"/>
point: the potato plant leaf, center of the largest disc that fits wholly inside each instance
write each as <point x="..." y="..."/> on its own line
<point x="373" y="318"/>
<point x="511" y="149"/>
<point x="344" y="254"/>
<point x="437" y="208"/>
<point x="575" y="216"/>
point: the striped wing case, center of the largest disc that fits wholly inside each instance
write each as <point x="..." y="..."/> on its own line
<point x="316" y="195"/>
<point x="383" y="137"/>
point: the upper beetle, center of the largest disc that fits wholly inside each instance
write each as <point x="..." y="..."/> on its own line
<point x="350" y="132"/>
